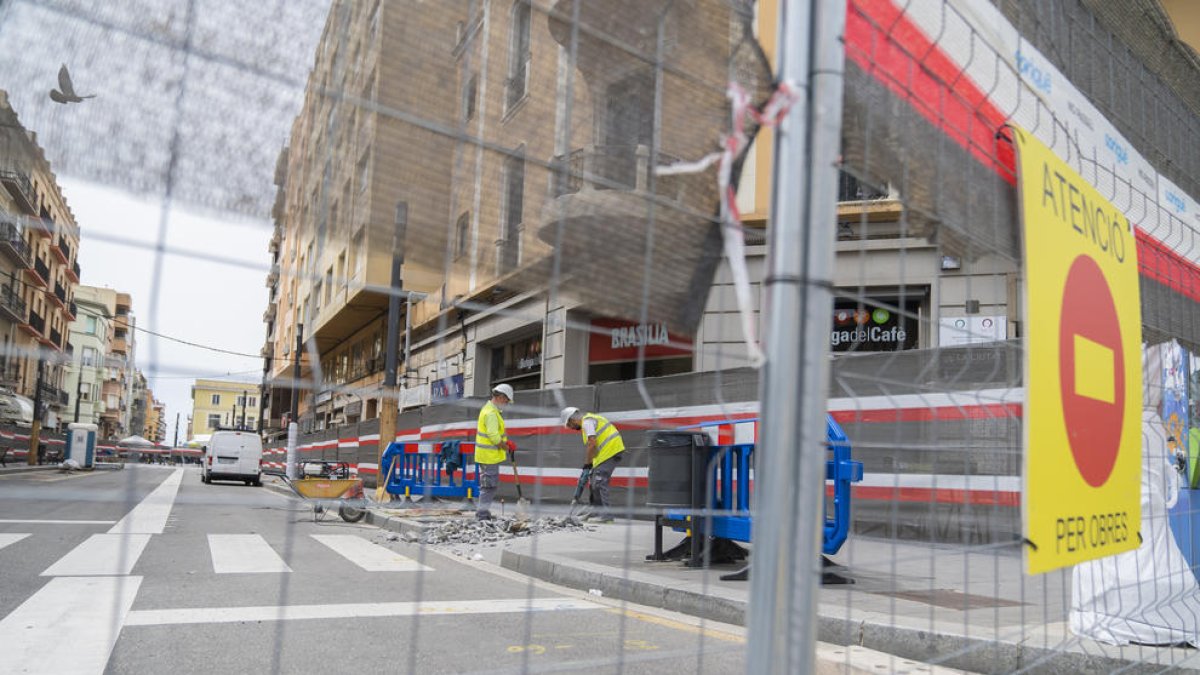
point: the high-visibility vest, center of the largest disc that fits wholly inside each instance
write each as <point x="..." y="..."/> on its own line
<point x="608" y="439"/>
<point x="490" y="449"/>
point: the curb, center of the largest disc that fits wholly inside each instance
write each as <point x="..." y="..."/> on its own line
<point x="394" y="524"/>
<point x="4" y="471"/>
<point x="919" y="644"/>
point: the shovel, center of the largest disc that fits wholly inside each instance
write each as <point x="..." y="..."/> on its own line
<point x="522" y="503"/>
<point x="584" y="477"/>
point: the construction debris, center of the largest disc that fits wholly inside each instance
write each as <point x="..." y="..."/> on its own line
<point x="471" y="531"/>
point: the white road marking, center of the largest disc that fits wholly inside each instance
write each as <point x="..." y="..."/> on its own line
<point x="370" y="557"/>
<point x="69" y="626"/>
<point x="150" y="516"/>
<point x="243" y="554"/>
<point x="56" y="522"/>
<point x="159" y="617"/>
<point x="7" y="538"/>
<point x="101" y="554"/>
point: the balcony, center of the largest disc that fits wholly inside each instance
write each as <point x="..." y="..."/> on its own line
<point x="19" y="185"/>
<point x="269" y="313"/>
<point x="35" y="325"/>
<point x="56" y="339"/>
<point x="11" y="304"/>
<point x="62" y="250"/>
<point x="613" y="167"/>
<point x="273" y="275"/>
<point x="45" y="226"/>
<point x="60" y="295"/>
<point x="73" y="271"/>
<point x="118" y="346"/>
<point x="12" y="243"/>
<point x="52" y="395"/>
<point x="72" y="310"/>
<point x="39" y="273"/>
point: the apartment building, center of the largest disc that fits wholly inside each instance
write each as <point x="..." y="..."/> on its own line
<point x="156" y="423"/>
<point x="525" y="227"/>
<point x="102" y="374"/>
<point x="476" y="147"/>
<point x="139" y="403"/>
<point x="356" y="185"/>
<point x="39" y="243"/>
<point x="222" y="404"/>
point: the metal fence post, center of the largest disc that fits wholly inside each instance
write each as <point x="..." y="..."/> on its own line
<point x="785" y="565"/>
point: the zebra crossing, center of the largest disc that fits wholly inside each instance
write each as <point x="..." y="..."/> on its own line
<point x="117" y="554"/>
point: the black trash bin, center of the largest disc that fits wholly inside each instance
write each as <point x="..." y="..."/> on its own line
<point x="677" y="479"/>
<point x="678" y="460"/>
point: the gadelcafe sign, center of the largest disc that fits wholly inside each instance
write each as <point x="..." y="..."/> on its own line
<point x="876" y="329"/>
<point x="614" y="340"/>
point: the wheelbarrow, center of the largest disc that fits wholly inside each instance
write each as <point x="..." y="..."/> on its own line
<point x="333" y="484"/>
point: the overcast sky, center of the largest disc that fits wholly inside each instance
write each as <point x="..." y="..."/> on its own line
<point x="211" y="287"/>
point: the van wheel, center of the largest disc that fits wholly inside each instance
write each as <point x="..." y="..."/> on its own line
<point x="257" y="482"/>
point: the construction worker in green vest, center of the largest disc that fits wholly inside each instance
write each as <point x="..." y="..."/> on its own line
<point x="491" y="448"/>
<point x="604" y="448"/>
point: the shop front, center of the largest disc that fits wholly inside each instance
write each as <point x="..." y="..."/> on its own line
<point x="518" y="363"/>
<point x="614" y="347"/>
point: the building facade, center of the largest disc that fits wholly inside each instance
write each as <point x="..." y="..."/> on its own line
<point x="39" y="245"/>
<point x="156" y="423"/>
<point x="221" y="404"/>
<point x="102" y="374"/>
<point x="554" y="139"/>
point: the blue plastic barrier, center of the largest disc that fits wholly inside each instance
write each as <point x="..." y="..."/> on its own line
<point x="729" y="485"/>
<point x="410" y="474"/>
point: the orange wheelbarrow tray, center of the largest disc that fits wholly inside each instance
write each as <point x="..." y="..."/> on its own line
<point x="347" y="492"/>
<point x="329" y="488"/>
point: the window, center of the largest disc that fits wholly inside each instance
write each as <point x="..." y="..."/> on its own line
<point x="89" y="325"/>
<point x="462" y="230"/>
<point x="253" y="401"/>
<point x="95" y="392"/>
<point x="364" y="179"/>
<point x="216" y="400"/>
<point x="509" y="244"/>
<point x="355" y="248"/>
<point x="341" y="268"/>
<point x="328" y="285"/>
<point x="518" y="54"/>
<point x="214" y="420"/>
<point x="87" y="356"/>
<point x="470" y="93"/>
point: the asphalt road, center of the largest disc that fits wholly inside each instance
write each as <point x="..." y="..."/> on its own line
<point x="147" y="570"/>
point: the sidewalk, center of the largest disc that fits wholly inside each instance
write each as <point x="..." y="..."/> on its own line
<point x="967" y="608"/>
<point x="22" y="467"/>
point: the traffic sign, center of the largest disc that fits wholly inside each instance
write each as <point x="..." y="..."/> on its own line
<point x="1083" y="375"/>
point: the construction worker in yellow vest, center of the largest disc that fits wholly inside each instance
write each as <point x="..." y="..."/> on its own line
<point x="604" y="448"/>
<point x="491" y="448"/>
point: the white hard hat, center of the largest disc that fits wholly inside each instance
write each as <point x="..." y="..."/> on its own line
<point x="566" y="415"/>
<point x="505" y="389"/>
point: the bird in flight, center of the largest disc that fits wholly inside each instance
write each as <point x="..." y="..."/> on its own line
<point x="67" y="95"/>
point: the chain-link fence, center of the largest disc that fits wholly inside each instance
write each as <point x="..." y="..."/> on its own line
<point x="744" y="283"/>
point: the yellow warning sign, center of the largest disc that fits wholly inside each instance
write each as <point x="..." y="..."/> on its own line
<point x="1083" y="367"/>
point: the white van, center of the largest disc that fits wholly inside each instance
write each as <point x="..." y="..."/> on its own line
<point x="233" y="455"/>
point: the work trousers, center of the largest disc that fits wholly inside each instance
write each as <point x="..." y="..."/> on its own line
<point x="489" y="480"/>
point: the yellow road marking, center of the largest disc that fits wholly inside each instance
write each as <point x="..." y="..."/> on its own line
<point x="681" y="626"/>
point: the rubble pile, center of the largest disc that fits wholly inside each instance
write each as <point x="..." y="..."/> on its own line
<point x="471" y="531"/>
